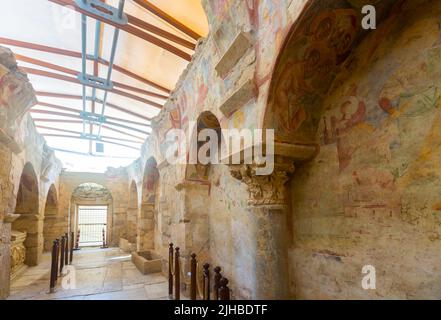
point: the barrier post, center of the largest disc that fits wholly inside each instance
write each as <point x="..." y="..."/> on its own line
<point x="193" y="277"/>
<point x="63" y="247"/>
<point x="177" y="276"/>
<point x="224" y="291"/>
<point x="170" y="269"/>
<point x="54" y="270"/>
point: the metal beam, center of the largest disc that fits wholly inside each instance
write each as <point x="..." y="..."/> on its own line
<point x="75" y="54"/>
<point x="78" y="97"/>
<point x="81" y="138"/>
<point x="57" y="76"/>
<point x="111" y="60"/>
<point x="166" y="17"/>
<point x="129" y="29"/>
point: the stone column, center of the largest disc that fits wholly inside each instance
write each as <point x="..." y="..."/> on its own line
<point x="192" y="233"/>
<point x="5" y="253"/>
<point x="268" y="203"/>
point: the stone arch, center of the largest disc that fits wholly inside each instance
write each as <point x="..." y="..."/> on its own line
<point x="149" y="206"/>
<point x="316" y="49"/>
<point x="199" y="172"/>
<point x="196" y="189"/>
<point x="92" y="194"/>
<point x="50" y="218"/>
<point x="358" y="122"/>
<point x="29" y="222"/>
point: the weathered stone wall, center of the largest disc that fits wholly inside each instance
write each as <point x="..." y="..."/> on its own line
<point x="370" y="187"/>
<point x="115" y="181"/>
<point x="367" y="102"/>
<point x="20" y="144"/>
<point x="372" y="194"/>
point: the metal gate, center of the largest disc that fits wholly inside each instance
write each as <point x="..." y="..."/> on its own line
<point x="92" y="220"/>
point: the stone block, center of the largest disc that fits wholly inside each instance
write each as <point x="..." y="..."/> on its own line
<point x="239" y="46"/>
<point x="239" y="97"/>
<point x="147" y="262"/>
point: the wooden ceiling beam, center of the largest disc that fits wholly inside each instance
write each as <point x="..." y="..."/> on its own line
<point x="75" y="80"/>
<point x="75" y="116"/>
<point x="55" y="106"/>
<point x="160" y="32"/>
<point x="169" y="19"/>
<point x="129" y="29"/>
<point x="80" y="121"/>
<point x="75" y="54"/>
<point x="75" y="73"/>
<point x="79" y="133"/>
<point x="78" y="97"/>
<point x="81" y="138"/>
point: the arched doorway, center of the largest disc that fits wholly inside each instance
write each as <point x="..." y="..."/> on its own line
<point x="92" y="205"/>
<point x="29" y="222"/>
<point x="148" y="212"/>
<point x="50" y="218"/>
<point x="198" y="184"/>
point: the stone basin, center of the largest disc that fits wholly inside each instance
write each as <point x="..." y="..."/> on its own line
<point x="147" y="261"/>
<point x="126" y="246"/>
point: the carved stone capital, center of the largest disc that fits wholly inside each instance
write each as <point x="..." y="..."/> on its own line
<point x="264" y="190"/>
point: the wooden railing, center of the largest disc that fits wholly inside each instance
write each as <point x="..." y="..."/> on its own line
<point x="220" y="289"/>
<point x="62" y="255"/>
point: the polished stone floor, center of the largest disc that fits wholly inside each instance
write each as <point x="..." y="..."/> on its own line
<point x="100" y="274"/>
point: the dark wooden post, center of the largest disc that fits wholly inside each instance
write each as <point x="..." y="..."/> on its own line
<point x="77" y="244"/>
<point x="57" y="258"/>
<point x="193" y="277"/>
<point x="216" y="285"/>
<point x="63" y="246"/>
<point x="224" y="291"/>
<point x="72" y="240"/>
<point x="177" y="276"/>
<point x="54" y="268"/>
<point x="104" y="239"/>
<point x="170" y="269"/>
<point x="206" y="271"/>
<point x="66" y="249"/>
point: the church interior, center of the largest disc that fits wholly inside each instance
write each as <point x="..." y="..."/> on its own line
<point x="92" y="208"/>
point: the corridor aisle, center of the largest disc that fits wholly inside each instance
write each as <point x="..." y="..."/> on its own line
<point x="101" y="274"/>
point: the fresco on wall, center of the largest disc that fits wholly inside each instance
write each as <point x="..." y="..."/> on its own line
<point x="404" y="92"/>
<point x="315" y="53"/>
<point x="151" y="178"/>
<point x="380" y="156"/>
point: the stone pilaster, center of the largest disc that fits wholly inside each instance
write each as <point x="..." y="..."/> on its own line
<point x="145" y="232"/>
<point x="268" y="203"/>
